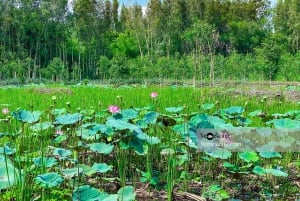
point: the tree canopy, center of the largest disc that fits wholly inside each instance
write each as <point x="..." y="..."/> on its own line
<point x="181" y="39"/>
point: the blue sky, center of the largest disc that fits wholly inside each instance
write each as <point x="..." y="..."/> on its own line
<point x="144" y="2"/>
<point x="130" y="2"/>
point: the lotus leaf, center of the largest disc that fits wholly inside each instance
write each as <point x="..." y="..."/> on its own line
<point x="234" y="110"/>
<point x="44" y="161"/>
<point x="276" y="172"/>
<point x="68" y="119"/>
<point x="259" y="170"/>
<point x="26" y="116"/>
<point x="101" y="167"/>
<point x="87" y="193"/>
<point x="41" y="126"/>
<point x="174" y="109"/>
<point x="128" y="114"/>
<point x="62" y="153"/>
<point x="285" y="123"/>
<point x="270" y="154"/>
<point x="9" y="175"/>
<point x="219" y="153"/>
<point x="72" y="172"/>
<point x="48" y="180"/>
<point x="101" y="148"/>
<point x="248" y="156"/>
<point x="126" y="194"/>
<point x="7" y="150"/>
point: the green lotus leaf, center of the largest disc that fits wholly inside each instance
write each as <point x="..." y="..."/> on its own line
<point x="259" y="170"/>
<point x="205" y="125"/>
<point x="231" y="167"/>
<point x="138" y="146"/>
<point x="113" y="197"/>
<point x="61" y="153"/>
<point x="243" y="121"/>
<point x="102" y="128"/>
<point x="101" y="148"/>
<point x="87" y="170"/>
<point x="128" y="114"/>
<point x="293" y="113"/>
<point x="44" y="162"/>
<point x="9" y="175"/>
<point x="285" y="123"/>
<point x="181" y="128"/>
<point x="126" y="193"/>
<point x="276" y="172"/>
<point x="48" y="180"/>
<point x="87" y="193"/>
<point x="149" y="139"/>
<point x="151" y="117"/>
<point x="41" y="126"/>
<point x="2" y="158"/>
<point x="174" y="109"/>
<point x="101" y="167"/>
<point x="142" y="123"/>
<point x="72" y="172"/>
<point x="7" y="150"/>
<point x="220" y="153"/>
<point x="27" y="116"/>
<point x="234" y="110"/>
<point x="270" y="154"/>
<point x="152" y="140"/>
<point x="118" y="124"/>
<point x="59" y="139"/>
<point x="195" y="120"/>
<point x="88" y="134"/>
<point x="216" y="121"/>
<point x="68" y="119"/>
<point x="248" y="156"/>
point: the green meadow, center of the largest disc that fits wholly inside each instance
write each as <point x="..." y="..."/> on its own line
<point x="100" y="142"/>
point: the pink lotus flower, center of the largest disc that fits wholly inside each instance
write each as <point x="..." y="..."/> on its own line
<point x="59" y="132"/>
<point x="5" y="110"/>
<point x="114" y="109"/>
<point x="154" y="94"/>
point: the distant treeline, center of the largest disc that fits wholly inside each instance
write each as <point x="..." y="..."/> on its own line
<point x="204" y="40"/>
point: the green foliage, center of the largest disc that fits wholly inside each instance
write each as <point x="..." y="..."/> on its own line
<point x="125" y="45"/>
<point x="126" y="193"/>
<point x="177" y="39"/>
<point x="88" y="193"/>
<point x="101" y="148"/>
<point x="87" y="149"/>
<point x="48" y="180"/>
<point x="56" y="70"/>
<point x="9" y="175"/>
<point x="27" y="116"/>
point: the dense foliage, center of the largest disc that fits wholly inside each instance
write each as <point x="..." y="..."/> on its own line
<point x="180" y="39"/>
<point x="101" y="143"/>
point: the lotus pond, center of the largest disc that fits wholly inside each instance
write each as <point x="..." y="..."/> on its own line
<point x="94" y="143"/>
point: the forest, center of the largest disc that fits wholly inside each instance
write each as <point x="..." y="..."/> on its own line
<point x="207" y="40"/>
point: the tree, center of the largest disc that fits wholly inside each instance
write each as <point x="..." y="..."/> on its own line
<point x="125" y="45"/>
<point x="202" y="38"/>
<point x="273" y="47"/>
<point x="115" y="15"/>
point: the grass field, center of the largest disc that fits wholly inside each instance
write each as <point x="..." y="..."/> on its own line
<point x="129" y="143"/>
